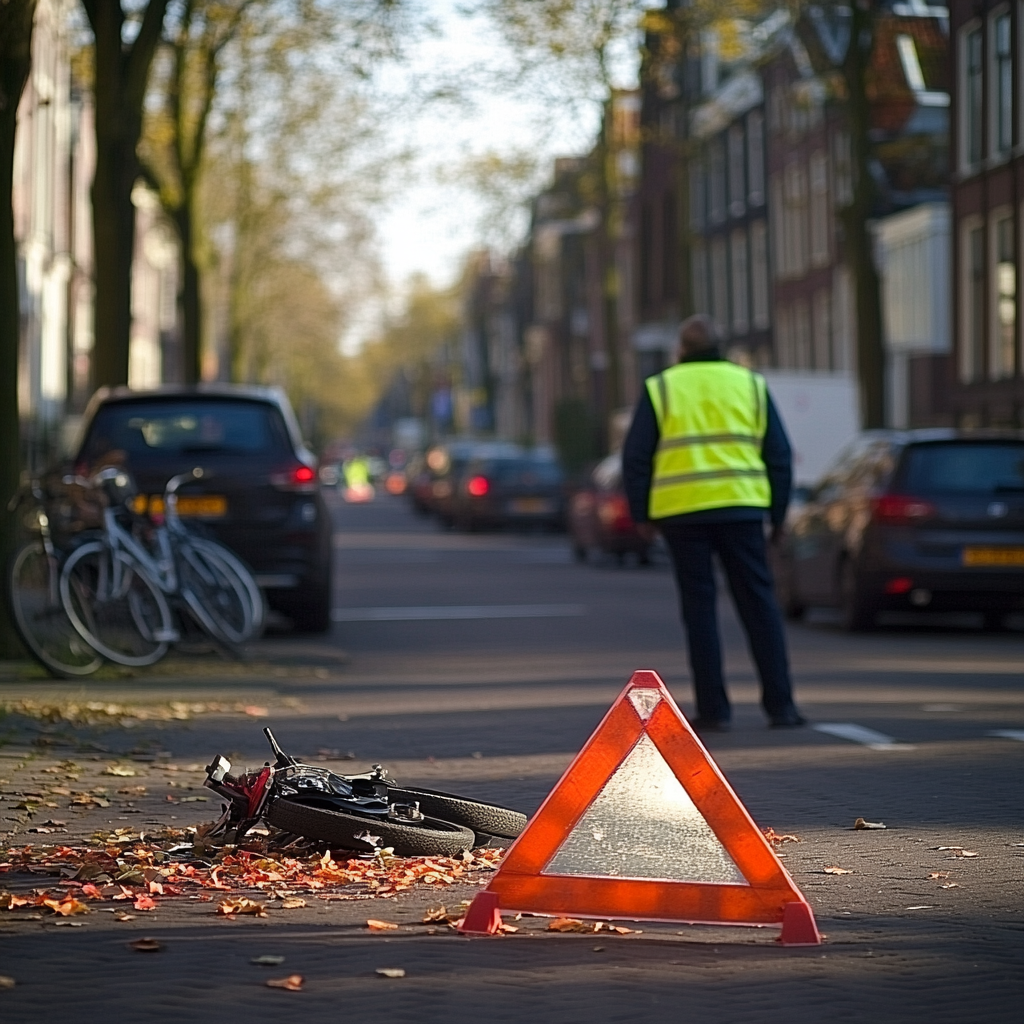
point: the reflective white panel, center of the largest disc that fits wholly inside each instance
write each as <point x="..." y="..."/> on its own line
<point x="643" y="824"/>
<point x="645" y="701"/>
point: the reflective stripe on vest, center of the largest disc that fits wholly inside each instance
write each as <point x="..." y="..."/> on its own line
<point x="712" y="418"/>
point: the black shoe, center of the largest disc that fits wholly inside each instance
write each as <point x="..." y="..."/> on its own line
<point x="701" y="725"/>
<point x="790" y="720"/>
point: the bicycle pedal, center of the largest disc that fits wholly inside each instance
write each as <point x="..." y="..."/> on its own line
<point x="166" y="636"/>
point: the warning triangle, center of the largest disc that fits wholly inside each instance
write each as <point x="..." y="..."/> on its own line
<point x="644" y="826"/>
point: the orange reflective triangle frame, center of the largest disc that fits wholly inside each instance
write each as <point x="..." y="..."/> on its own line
<point x="765" y="895"/>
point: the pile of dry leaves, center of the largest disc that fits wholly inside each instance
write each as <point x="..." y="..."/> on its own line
<point x="145" y="871"/>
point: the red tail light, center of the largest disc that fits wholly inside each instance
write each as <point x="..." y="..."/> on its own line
<point x="478" y="486"/>
<point x="613" y="511"/>
<point x="301" y="478"/>
<point x="901" y="508"/>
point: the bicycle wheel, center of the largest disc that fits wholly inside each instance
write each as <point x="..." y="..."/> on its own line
<point x="233" y="565"/>
<point x="40" y="619"/>
<point x="115" y="606"/>
<point x="214" y="595"/>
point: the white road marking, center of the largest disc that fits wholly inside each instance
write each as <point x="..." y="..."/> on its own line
<point x="860" y="734"/>
<point x="1009" y="734"/>
<point x="428" y="613"/>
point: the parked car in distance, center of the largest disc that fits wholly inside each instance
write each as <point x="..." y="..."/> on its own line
<point x="503" y="486"/>
<point x="920" y="519"/>
<point x="259" y="492"/>
<point x="599" y="517"/>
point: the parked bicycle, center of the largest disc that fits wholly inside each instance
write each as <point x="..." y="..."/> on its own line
<point x="33" y="583"/>
<point x="113" y="588"/>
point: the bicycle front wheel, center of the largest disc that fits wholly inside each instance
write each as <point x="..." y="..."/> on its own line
<point x="115" y="606"/>
<point x="241" y="580"/>
<point x="40" y="619"/>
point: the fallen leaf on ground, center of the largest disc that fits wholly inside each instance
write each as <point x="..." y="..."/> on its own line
<point x="435" y="914"/>
<point x="834" y="869"/>
<point x="241" y="905"/>
<point x="67" y="907"/>
<point x="145" y="903"/>
<point x="950" y="885"/>
<point x="775" y="839"/>
<point x="939" y="874"/>
<point x="267" y="961"/>
<point x="380" y="926"/>
<point x="391" y="972"/>
<point x="254" y="711"/>
<point x="121" y="770"/>
<point x="147" y="945"/>
<point x="293" y="983"/>
<point x="569" y="924"/>
<point x="6" y="981"/>
<point x="122" y="915"/>
<point x="861" y="823"/>
<point x="292" y="903"/>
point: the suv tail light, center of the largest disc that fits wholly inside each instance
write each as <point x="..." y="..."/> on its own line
<point x="901" y="508"/>
<point x="613" y="511"/>
<point x="300" y="478"/>
<point x="478" y="486"/>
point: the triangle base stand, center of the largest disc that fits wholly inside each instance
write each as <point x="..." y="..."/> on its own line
<point x="483" y="916"/>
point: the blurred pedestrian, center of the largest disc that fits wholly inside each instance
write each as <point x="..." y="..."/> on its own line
<point x="705" y="462"/>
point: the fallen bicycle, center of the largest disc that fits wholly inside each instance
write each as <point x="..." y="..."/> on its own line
<point x="362" y="812"/>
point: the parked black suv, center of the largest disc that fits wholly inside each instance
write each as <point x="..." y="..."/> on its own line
<point x="928" y="519"/>
<point x="259" y="493"/>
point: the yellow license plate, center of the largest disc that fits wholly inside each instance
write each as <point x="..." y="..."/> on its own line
<point x="531" y="506"/>
<point x="209" y="506"/>
<point x="994" y="556"/>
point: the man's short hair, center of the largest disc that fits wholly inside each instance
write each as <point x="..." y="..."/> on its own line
<point x="697" y="332"/>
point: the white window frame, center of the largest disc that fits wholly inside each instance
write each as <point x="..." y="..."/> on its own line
<point x="998" y="154"/>
<point x="967" y="164"/>
<point x="970" y="353"/>
<point x="996" y="369"/>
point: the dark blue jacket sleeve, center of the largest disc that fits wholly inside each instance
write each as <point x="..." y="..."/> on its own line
<point x="778" y="460"/>
<point x="638" y="458"/>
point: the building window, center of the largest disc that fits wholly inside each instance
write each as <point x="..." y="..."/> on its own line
<point x="802" y="334"/>
<point x="720" y="284"/>
<point x="699" y="273"/>
<point x="777" y="212"/>
<point x="697" y="198"/>
<point x="842" y="169"/>
<point x="794" y="224"/>
<point x="759" y="287"/>
<point x="737" y="182"/>
<point x="972" y="284"/>
<point x="716" y="183"/>
<point x="1004" y="282"/>
<point x="971" y="111"/>
<point x="823" y="330"/>
<point x="740" y="282"/>
<point x="669" y="269"/>
<point x="783" y="338"/>
<point x="1002" y="86"/>
<point x="755" y="159"/>
<point x="821" y="220"/>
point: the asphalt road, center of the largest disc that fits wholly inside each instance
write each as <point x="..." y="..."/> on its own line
<point x="482" y="663"/>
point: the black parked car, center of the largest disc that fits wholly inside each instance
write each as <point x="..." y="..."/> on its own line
<point x="259" y="493"/>
<point x="927" y="519"/>
<point x="507" y="487"/>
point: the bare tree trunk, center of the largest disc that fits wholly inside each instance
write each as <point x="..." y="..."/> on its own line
<point x="859" y="245"/>
<point x="189" y="297"/>
<point x="120" y="90"/>
<point x="16" y="18"/>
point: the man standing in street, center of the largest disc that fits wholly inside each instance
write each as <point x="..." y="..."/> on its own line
<point x="705" y="460"/>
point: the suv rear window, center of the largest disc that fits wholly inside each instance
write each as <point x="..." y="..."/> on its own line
<point x="967" y="468"/>
<point x="184" y="428"/>
<point x="526" y="472"/>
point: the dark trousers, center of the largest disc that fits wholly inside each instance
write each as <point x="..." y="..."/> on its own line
<point x="740" y="547"/>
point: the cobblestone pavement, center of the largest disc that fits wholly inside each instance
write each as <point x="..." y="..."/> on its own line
<point x="495" y="708"/>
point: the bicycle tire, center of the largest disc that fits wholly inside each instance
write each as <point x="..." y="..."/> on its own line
<point x="488" y="821"/>
<point x="432" y="837"/>
<point x="131" y="627"/>
<point x="245" y="577"/>
<point x="40" y="619"/>
<point x="214" y="595"/>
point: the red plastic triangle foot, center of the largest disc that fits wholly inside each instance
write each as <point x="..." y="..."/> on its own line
<point x="798" y="926"/>
<point x="483" y="916"/>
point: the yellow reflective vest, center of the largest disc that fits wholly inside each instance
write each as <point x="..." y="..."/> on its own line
<point x="712" y="417"/>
